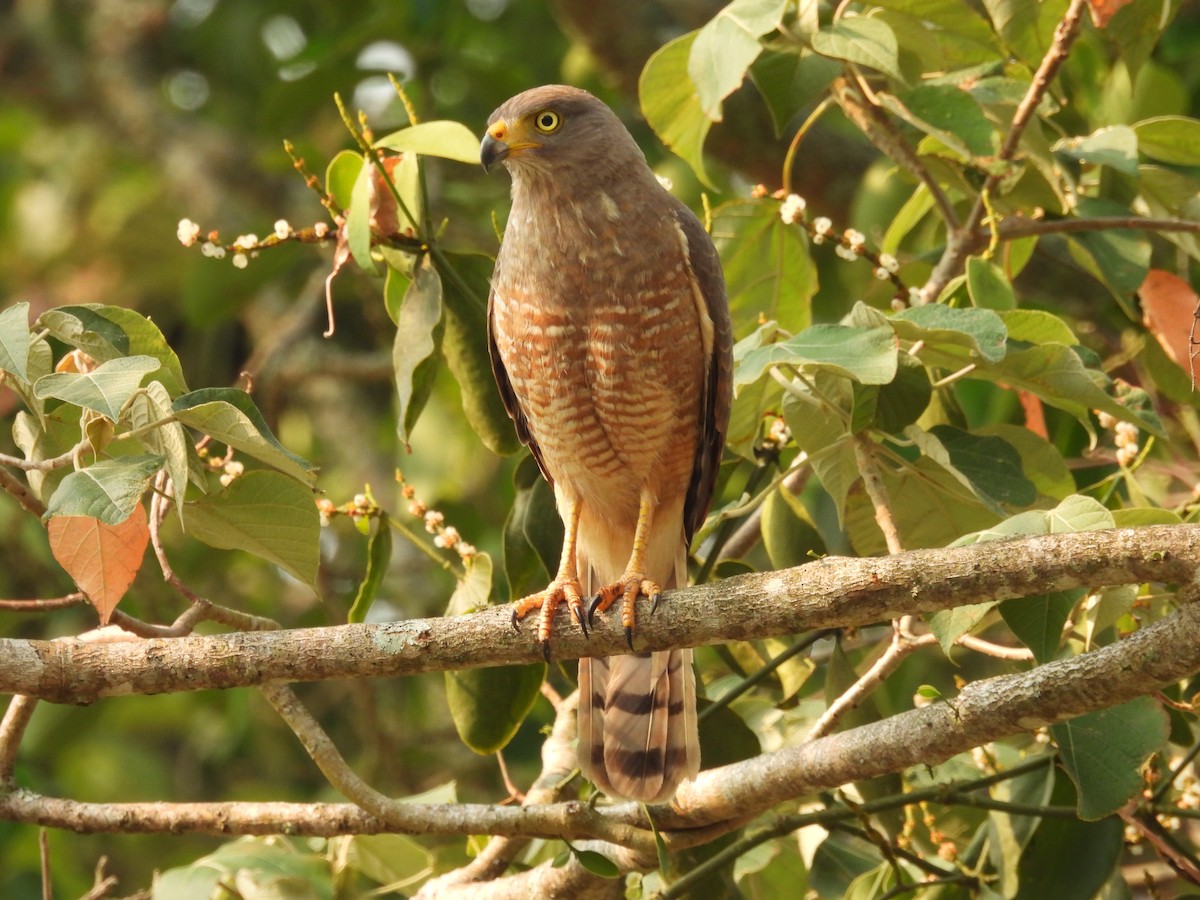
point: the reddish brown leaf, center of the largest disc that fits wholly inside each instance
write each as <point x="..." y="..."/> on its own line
<point x="1035" y="413"/>
<point x="103" y="559"/>
<point x="1103" y="10"/>
<point x="1169" y="311"/>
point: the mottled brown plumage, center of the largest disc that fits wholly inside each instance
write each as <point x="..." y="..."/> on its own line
<point x="610" y="341"/>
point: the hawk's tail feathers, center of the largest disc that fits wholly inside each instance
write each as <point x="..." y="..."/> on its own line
<point x="638" y="736"/>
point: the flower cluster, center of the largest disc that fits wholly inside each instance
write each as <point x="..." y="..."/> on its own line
<point x="444" y="536"/>
<point x="247" y="246"/>
<point x="361" y="508"/>
<point x="850" y="246"/>
<point x="1125" y="436"/>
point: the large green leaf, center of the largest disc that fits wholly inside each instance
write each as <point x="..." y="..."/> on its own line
<point x="1038" y="621"/>
<point x="988" y="287"/>
<point x="980" y="332"/>
<point x="790" y="81"/>
<point x="107" y="490"/>
<point x="110" y="332"/>
<point x="1103" y="752"/>
<point x="487" y="705"/>
<point x="672" y="105"/>
<point x="1120" y="257"/>
<point x="448" y="140"/>
<point x="1170" y="139"/>
<point x="415" y="349"/>
<point x="106" y="389"/>
<point x="866" y="42"/>
<point x="358" y="217"/>
<point x="725" y="47"/>
<point x="989" y="466"/>
<point x="264" y="513"/>
<point x="1115" y="146"/>
<point x="230" y="416"/>
<point x="1069" y="859"/>
<point x="768" y="270"/>
<point x="262" y="868"/>
<point x="824" y="435"/>
<point x="867" y="355"/>
<point x="340" y="176"/>
<point x="465" y="346"/>
<point x="949" y="114"/>
<point x="14" y="340"/>
<point x="533" y="532"/>
<point x="1040" y="460"/>
<point x="150" y="412"/>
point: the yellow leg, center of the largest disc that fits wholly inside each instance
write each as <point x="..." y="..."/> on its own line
<point x="565" y="587"/>
<point x="634" y="582"/>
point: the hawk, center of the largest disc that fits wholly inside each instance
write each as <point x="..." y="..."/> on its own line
<point x="611" y="343"/>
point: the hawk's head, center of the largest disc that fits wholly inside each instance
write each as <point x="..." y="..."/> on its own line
<point x="555" y="128"/>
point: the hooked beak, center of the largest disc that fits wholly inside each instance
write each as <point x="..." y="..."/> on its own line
<point x="492" y="151"/>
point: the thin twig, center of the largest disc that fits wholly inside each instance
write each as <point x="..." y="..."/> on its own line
<point x="963" y="239"/>
<point x="1019" y="226"/>
<point x="22" y="493"/>
<point x="44" y="856"/>
<point x="41" y="605"/>
<point x="45" y="465"/>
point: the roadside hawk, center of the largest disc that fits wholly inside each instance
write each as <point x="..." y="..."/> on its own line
<point x="611" y="343"/>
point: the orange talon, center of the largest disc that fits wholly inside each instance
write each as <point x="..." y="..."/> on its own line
<point x="561" y="590"/>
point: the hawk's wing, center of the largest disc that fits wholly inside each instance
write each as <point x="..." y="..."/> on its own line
<point x="705" y="268"/>
<point x="506" y="392"/>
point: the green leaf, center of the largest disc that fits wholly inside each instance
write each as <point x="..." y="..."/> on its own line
<point x="905" y="398"/>
<point x="358" y="217"/>
<point x="768" y="270"/>
<point x="988" y="287"/>
<point x="672" y="105"/>
<point x="465" y="347"/>
<point x="1170" y="139"/>
<point x="947" y="113"/>
<point x="867" y="42"/>
<point x="1103" y="753"/>
<point x="789" y="535"/>
<point x="904" y="221"/>
<point x="230" y="416"/>
<point x="726" y="739"/>
<point x="726" y="46"/>
<point x="394" y="860"/>
<point x="1115" y="146"/>
<point x="419" y="330"/>
<point x="866" y="355"/>
<point x="107" y="490"/>
<point x="442" y="138"/>
<point x="789" y="82"/>
<point x="979" y="331"/>
<point x="1037" y="327"/>
<point x="488" y="705"/>
<point x="597" y="863"/>
<point x="1038" y="621"/>
<point x="264" y="513"/>
<point x="106" y="389"/>
<point x="474" y="589"/>
<point x="824" y="436"/>
<point x="341" y="175"/>
<point x="111" y="332"/>
<point x="533" y="532"/>
<point x="990" y="465"/>
<point x="14" y="340"/>
<point x="838" y="860"/>
<point x="379" y="557"/>
<point x="1121" y="256"/>
<point x="1075" y="513"/>
<point x="262" y="868"/>
<point x="151" y="409"/>
<point x="1040" y="460"/>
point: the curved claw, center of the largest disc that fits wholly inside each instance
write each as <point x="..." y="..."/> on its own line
<point x="546" y="651"/>
<point x="591" y="610"/>
<point x="516" y="622"/>
<point x="629" y="637"/>
<point x="654" y="603"/>
<point x="579" y="617"/>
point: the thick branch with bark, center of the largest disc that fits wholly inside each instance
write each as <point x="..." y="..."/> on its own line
<point x="831" y="593"/>
<point x="827" y="593"/>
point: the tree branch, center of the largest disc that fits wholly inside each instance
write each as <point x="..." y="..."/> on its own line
<point x="830" y="593"/>
<point x="983" y="711"/>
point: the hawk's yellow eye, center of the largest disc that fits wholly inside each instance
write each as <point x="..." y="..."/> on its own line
<point x="547" y="121"/>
